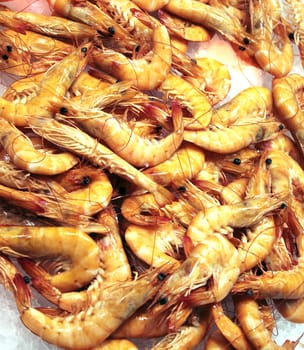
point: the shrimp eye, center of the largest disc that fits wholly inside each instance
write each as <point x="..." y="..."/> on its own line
<point x="283" y="206"/>
<point x="85" y="180"/>
<point x="5" y="57"/>
<point x="162" y="300"/>
<point x="84" y="49"/>
<point x="291" y="36"/>
<point x="249" y="292"/>
<point x="182" y="189"/>
<point x="246" y="41"/>
<point x="94" y="235"/>
<point x="26" y="279"/>
<point x="63" y="110"/>
<point x="242" y="48"/>
<point x="236" y="161"/>
<point x="158" y="129"/>
<point x="268" y="161"/>
<point x="9" y="48"/>
<point x="137" y="48"/>
<point x="111" y="30"/>
<point x="281" y="126"/>
<point x="161" y="276"/>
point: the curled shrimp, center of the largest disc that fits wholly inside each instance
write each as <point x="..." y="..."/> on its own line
<point x="189" y="335"/>
<point x="189" y="97"/>
<point x="26" y="157"/>
<point x="54" y="85"/>
<point x="156" y="244"/>
<point x="288" y="99"/>
<point x="243" y="214"/>
<point x="232" y="332"/>
<point x="142" y="210"/>
<point x="146" y="73"/>
<point x="185" y="163"/>
<point x="77" y="247"/>
<point x="275" y="284"/>
<point x="291" y="310"/>
<point x="88" y="328"/>
<point x="218" y="139"/>
<point x="274" y="58"/>
<point x="129" y="145"/>
<point x="81" y="143"/>
<point x="250" y="317"/>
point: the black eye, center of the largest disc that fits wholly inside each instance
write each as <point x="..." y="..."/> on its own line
<point x="9" y="48"/>
<point x="5" y="57"/>
<point x="84" y="49"/>
<point x="281" y="126"/>
<point x="283" y="206"/>
<point x="291" y="36"/>
<point x="26" y="279"/>
<point x="182" y="189"/>
<point x="249" y="292"/>
<point x="111" y="30"/>
<point x="242" y="48"/>
<point x="246" y="41"/>
<point x="63" y="110"/>
<point x="161" y="276"/>
<point x="137" y="48"/>
<point x="85" y="180"/>
<point x="236" y="161"/>
<point x="162" y="300"/>
<point x="268" y="161"/>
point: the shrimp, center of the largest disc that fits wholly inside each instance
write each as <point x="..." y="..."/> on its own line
<point x="127" y="144"/>
<point x="295" y="9"/>
<point x="189" y="97"/>
<point x="81" y="143"/>
<point x="142" y="210"/>
<point x="93" y="16"/>
<point x="291" y="310"/>
<point x="274" y="58"/>
<point x="88" y="328"/>
<point x="288" y="99"/>
<point x="54" y="85"/>
<point x="253" y="101"/>
<point x="78" y="248"/>
<point x="219" y="18"/>
<point x="222" y="218"/>
<point x="183" y="29"/>
<point x="207" y="262"/>
<point x="185" y="163"/>
<point x="93" y="192"/>
<point x="276" y="284"/>
<point x="188" y="336"/>
<point x="232" y="332"/>
<point x="57" y="27"/>
<point x="253" y="325"/>
<point x="146" y="73"/>
<point x="218" y="139"/>
<point x="213" y="78"/>
<point x="26" y="157"/>
<point x="216" y="341"/>
<point x="156" y="244"/>
<point x="30" y="53"/>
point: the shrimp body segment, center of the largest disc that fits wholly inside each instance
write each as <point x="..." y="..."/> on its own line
<point x="288" y="99"/>
<point x="78" y="248"/>
<point x="146" y="73"/>
<point x="222" y="218"/>
<point x="26" y="157"/>
<point x="88" y="328"/>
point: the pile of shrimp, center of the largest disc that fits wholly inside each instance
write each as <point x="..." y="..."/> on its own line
<point x="137" y="197"/>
